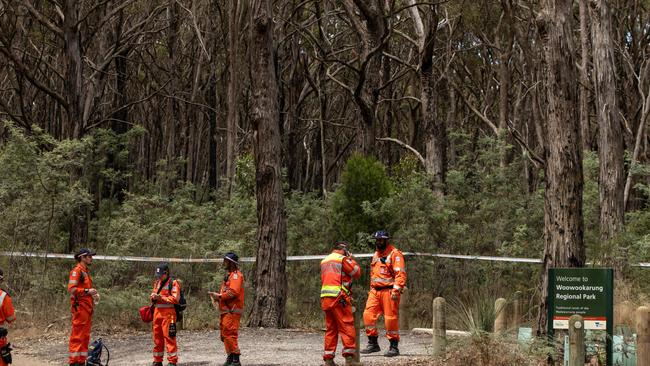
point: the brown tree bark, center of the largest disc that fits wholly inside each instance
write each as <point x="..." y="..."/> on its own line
<point x="563" y="220"/>
<point x="270" y="275"/>
<point x="233" y="92"/>
<point x="73" y="90"/>
<point x="584" y="75"/>
<point x="370" y="23"/>
<point x="435" y="128"/>
<point x="610" y="135"/>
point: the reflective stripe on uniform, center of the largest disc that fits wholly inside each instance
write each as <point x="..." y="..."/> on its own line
<point x="332" y="290"/>
<point x="171" y="354"/>
<point x="396" y="287"/>
<point x="164" y="306"/>
<point x="397" y="269"/>
<point x="11" y="318"/>
<point x="383" y="280"/>
<point x="232" y="311"/>
<point x="73" y="282"/>
<point x="2" y="297"/>
<point x="354" y="271"/>
<point x="78" y="354"/>
<point x="348" y="350"/>
<point x="329" y="352"/>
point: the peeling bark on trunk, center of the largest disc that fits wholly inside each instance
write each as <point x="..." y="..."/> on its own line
<point x="610" y="135"/>
<point x="563" y="220"/>
<point x="270" y="276"/>
<point x="584" y="76"/>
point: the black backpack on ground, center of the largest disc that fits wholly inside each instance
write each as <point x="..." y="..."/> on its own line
<point x="95" y="354"/>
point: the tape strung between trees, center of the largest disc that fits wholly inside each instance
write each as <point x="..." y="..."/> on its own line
<point x="289" y="258"/>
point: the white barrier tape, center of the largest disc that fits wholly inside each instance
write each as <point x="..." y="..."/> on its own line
<point x="289" y="258"/>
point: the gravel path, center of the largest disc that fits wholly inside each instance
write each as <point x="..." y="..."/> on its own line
<point x="259" y="347"/>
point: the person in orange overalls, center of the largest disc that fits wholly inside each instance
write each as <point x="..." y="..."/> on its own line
<point x="165" y="294"/>
<point x="230" y="300"/>
<point x="387" y="281"/>
<point x="82" y="295"/>
<point x="337" y="271"/>
<point x="7" y="316"/>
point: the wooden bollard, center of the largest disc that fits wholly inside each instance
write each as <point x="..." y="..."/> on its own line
<point x="357" y="329"/>
<point x="516" y="312"/>
<point x="403" y="310"/>
<point x="439" y="326"/>
<point x="501" y="319"/>
<point x="576" y="341"/>
<point x="643" y="335"/>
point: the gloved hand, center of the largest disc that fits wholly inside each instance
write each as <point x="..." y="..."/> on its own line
<point x="394" y="294"/>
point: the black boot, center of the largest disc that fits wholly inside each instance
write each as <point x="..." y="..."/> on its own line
<point x="235" y="361"/>
<point x="393" y="350"/>
<point x="157" y="364"/>
<point x="372" y="347"/>
<point x="228" y="360"/>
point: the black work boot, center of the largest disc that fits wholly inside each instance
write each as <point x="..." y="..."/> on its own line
<point x="372" y="347"/>
<point x="228" y="360"/>
<point x="393" y="350"/>
<point x="157" y="364"/>
<point x="235" y="361"/>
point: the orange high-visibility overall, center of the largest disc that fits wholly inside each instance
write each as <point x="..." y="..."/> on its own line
<point x="231" y="306"/>
<point x="164" y="314"/>
<point x="388" y="275"/>
<point x="7" y="316"/>
<point x="81" y="306"/>
<point x="337" y="272"/>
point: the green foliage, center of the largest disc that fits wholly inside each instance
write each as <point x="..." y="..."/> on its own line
<point x="364" y="179"/>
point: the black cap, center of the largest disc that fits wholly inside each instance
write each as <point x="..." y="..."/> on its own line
<point x="231" y="256"/>
<point x="163" y="268"/>
<point x="83" y="252"/>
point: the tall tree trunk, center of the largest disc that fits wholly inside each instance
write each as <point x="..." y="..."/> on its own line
<point x="73" y="85"/>
<point x="584" y="75"/>
<point x="610" y="136"/>
<point x="233" y="92"/>
<point x="563" y="220"/>
<point x="435" y="129"/>
<point x="270" y="275"/>
<point x="506" y="40"/>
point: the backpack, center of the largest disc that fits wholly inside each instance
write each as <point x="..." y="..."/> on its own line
<point x="182" y="303"/>
<point x="95" y="354"/>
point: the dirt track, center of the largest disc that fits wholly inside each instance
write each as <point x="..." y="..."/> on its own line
<point x="259" y="347"/>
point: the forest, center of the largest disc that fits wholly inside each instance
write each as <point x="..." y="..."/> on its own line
<point x="188" y="128"/>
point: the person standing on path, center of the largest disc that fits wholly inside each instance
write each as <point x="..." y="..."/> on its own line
<point x="7" y="316"/>
<point x="230" y="302"/>
<point x="82" y="303"/>
<point x="165" y="294"/>
<point x="387" y="281"/>
<point x="337" y="271"/>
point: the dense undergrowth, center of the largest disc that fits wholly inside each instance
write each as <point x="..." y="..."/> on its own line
<point x="487" y="209"/>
